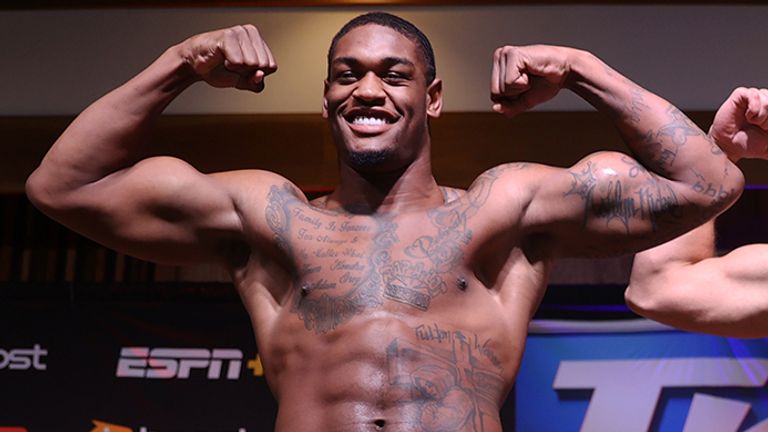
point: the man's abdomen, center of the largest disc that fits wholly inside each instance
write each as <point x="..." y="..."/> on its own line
<point x="385" y="371"/>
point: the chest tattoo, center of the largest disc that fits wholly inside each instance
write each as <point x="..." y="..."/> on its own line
<point x="348" y="264"/>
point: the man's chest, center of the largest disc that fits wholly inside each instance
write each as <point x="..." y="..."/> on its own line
<point x="345" y="264"/>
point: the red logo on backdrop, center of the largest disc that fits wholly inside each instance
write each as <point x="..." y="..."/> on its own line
<point x="100" y="426"/>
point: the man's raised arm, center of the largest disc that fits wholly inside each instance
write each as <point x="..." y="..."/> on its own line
<point x="158" y="208"/>
<point x="609" y="202"/>
<point x="682" y="283"/>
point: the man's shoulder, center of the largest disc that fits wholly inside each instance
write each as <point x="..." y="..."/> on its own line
<point x="254" y="180"/>
<point x="253" y="189"/>
<point x="513" y="177"/>
<point x="451" y="194"/>
<point x="507" y="191"/>
<point x="520" y="169"/>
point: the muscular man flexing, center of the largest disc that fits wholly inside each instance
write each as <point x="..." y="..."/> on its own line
<point x="392" y="303"/>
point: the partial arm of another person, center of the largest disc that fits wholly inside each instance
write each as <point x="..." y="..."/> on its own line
<point x="682" y="283"/>
<point x="612" y="203"/>
<point x="160" y="208"/>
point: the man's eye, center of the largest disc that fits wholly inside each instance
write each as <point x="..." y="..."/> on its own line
<point x="396" y="78"/>
<point x="345" y="76"/>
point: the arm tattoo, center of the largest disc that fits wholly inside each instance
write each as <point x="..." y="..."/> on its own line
<point x="583" y="185"/>
<point x="662" y="147"/>
<point x="716" y="192"/>
<point x="635" y="169"/>
<point x="278" y="214"/>
<point x="650" y="200"/>
<point x="680" y="128"/>
<point x="637" y="103"/>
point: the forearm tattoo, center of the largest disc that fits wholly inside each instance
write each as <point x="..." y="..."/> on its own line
<point x="636" y="194"/>
<point x="716" y="192"/>
<point x="637" y="104"/>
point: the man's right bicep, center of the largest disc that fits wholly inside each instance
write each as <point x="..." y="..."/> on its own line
<point x="160" y="209"/>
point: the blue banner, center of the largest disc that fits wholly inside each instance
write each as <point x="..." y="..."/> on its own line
<point x="628" y="381"/>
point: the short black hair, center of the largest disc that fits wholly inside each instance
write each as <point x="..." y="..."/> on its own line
<point x="397" y="24"/>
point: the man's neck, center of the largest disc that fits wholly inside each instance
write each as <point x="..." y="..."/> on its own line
<point x="413" y="188"/>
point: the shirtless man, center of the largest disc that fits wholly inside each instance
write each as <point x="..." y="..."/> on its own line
<point x="682" y="282"/>
<point x="391" y="303"/>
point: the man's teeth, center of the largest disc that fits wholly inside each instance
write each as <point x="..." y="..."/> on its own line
<point x="372" y="121"/>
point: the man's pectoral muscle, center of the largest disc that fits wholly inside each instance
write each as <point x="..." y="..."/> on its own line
<point x="348" y="264"/>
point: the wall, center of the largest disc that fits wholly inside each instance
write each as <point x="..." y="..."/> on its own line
<point x="57" y="61"/>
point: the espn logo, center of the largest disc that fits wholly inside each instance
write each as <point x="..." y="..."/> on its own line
<point x="169" y="363"/>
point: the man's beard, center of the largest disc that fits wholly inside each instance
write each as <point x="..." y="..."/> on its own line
<point x="367" y="159"/>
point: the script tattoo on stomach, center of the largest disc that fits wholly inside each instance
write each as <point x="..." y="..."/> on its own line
<point x="345" y="263"/>
<point x="450" y="379"/>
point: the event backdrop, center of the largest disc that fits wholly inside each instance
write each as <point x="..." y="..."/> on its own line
<point x="160" y="366"/>
<point x="130" y="366"/>
<point x="616" y="378"/>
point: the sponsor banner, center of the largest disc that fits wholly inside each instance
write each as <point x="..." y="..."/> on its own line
<point x="23" y="359"/>
<point x="169" y="363"/>
<point x="130" y="366"/>
<point x="167" y="367"/>
<point x="639" y="381"/>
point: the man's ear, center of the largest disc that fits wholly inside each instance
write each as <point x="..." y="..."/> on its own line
<point x="325" y="101"/>
<point x="435" y="98"/>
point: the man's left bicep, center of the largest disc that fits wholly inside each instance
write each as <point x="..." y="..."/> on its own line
<point x="607" y="203"/>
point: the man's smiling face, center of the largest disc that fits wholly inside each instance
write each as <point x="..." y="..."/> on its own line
<point x="377" y="99"/>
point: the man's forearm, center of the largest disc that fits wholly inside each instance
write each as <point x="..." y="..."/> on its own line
<point x="108" y="135"/>
<point x="663" y="139"/>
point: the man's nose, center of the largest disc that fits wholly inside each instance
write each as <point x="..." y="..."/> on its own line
<point x="369" y="88"/>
